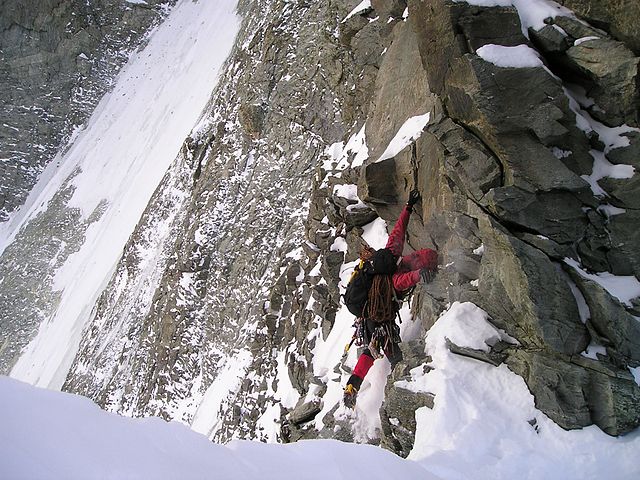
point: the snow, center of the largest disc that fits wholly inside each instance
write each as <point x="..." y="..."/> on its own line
<point x="479" y="426"/>
<point x="520" y="56"/>
<point x="610" y="210"/>
<point x="408" y="133"/>
<point x="361" y="7"/>
<point x="592" y="351"/>
<point x="585" y="39"/>
<point x="121" y="155"/>
<point x="624" y="288"/>
<point x="227" y="383"/>
<point x="53" y="435"/>
<point x="348" y="191"/>
<point x="484" y="424"/>
<point x="603" y="168"/>
<point x="375" y="234"/>
<point x="338" y="154"/>
<point x="480" y="250"/>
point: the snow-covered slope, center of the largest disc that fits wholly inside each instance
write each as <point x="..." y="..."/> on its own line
<point x="483" y="425"/>
<point x="88" y="203"/>
<point x="51" y="435"/>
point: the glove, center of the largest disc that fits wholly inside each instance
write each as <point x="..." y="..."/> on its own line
<point x="414" y="197"/>
<point x="427" y="275"/>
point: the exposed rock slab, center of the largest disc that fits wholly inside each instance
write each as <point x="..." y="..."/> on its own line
<point x="521" y="290"/>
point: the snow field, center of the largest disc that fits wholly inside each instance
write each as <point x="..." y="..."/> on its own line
<point x="118" y="160"/>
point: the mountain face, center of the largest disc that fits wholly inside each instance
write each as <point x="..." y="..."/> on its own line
<point x="224" y="309"/>
<point x="58" y="59"/>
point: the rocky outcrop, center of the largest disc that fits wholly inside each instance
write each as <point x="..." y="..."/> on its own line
<point x="616" y="17"/>
<point x="506" y="170"/>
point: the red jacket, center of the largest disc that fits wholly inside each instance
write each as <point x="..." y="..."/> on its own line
<point x="408" y="273"/>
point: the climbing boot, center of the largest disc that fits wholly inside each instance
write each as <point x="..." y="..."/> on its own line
<point x="350" y="394"/>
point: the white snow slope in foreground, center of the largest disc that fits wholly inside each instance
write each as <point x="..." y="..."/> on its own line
<point x="53" y="435"/>
<point x="130" y="141"/>
<point x="479" y="428"/>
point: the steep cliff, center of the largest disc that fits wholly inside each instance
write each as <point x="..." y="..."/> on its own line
<point x="524" y="194"/>
<point x="519" y="126"/>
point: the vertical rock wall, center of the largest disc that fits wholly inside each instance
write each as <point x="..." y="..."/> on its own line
<point x="515" y="197"/>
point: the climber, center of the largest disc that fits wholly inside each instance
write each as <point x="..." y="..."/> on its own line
<point x="377" y="327"/>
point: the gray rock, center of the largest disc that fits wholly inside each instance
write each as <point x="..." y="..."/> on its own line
<point x="493" y="357"/>
<point x="550" y="248"/>
<point x="401" y="91"/>
<point x="469" y="163"/>
<point x="350" y="212"/>
<point x="524" y="295"/>
<point x="612" y="71"/>
<point x="625" y="192"/>
<point x="495" y="25"/>
<point x="397" y="412"/>
<point x="629" y="155"/>
<point x="305" y="412"/>
<point x="575" y="395"/>
<point x="625" y="238"/>
<point x="251" y="117"/>
<point x="618" y="18"/>
<point x="557" y="215"/>
<point x="550" y="40"/>
<point x="378" y="185"/>
<point x="611" y="320"/>
<point x="575" y="28"/>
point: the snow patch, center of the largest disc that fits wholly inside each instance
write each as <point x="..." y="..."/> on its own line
<point x="408" y="133"/>
<point x="520" y="56"/>
<point x="624" y="288"/>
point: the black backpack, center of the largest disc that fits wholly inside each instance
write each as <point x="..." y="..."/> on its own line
<point x="357" y="293"/>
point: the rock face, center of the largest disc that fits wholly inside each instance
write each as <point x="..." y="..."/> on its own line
<point x="509" y="194"/>
<point x="57" y="59"/>
<point x="528" y="195"/>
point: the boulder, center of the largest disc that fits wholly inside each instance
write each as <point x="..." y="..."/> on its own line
<point x="611" y="71"/>
<point x="550" y="40"/>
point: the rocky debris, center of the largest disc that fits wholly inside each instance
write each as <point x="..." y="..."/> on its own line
<point x="57" y="60"/>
